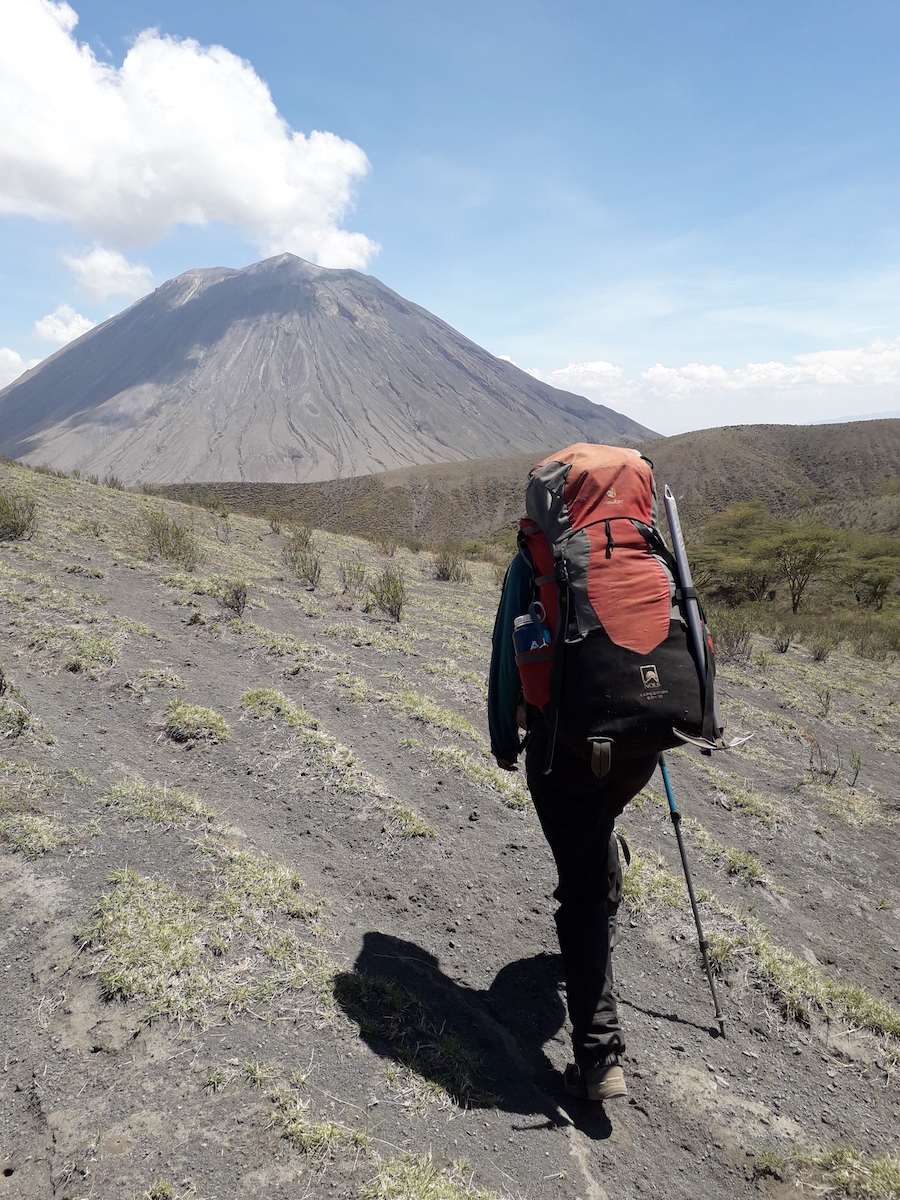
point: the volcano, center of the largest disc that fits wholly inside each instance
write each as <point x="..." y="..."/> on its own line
<point x="283" y="372"/>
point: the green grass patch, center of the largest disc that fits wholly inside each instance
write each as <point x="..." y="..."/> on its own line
<point x="390" y="1013"/>
<point x="221" y="947"/>
<point x="404" y="820"/>
<point x="15" y="719"/>
<point x="313" y="1135"/>
<point x="156" y="802"/>
<point x="414" y="1177"/>
<point x="357" y="688"/>
<point x="127" y="625"/>
<point x="447" y="668"/>
<point x="157" y="678"/>
<point x="29" y="833"/>
<point x="649" y="884"/>
<point x="268" y="703"/>
<point x="286" y="645"/>
<point x="429" y="712"/>
<point x="186" y="722"/>
<point x="509" y="786"/>
<point x="841" y="1169"/>
<point x="736" y="792"/>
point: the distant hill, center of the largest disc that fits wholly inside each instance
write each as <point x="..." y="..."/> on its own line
<point x="282" y="371"/>
<point x="841" y="469"/>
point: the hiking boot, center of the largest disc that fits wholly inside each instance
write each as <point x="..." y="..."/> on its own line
<point x="605" y="1081"/>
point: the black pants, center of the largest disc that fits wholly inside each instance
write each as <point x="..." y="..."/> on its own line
<point x="577" y="813"/>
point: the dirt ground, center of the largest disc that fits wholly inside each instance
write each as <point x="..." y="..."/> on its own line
<point x="315" y="955"/>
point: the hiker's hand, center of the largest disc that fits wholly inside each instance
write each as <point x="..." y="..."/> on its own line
<point x="507" y="764"/>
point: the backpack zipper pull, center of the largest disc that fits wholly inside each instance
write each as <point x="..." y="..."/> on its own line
<point x="610" y="544"/>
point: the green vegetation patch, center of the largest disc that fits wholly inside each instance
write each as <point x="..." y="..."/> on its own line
<point x="30" y="833"/>
<point x="508" y="785"/>
<point x="157" y="678"/>
<point x="429" y="712"/>
<point x="649" y="884"/>
<point x="405" y="820"/>
<point x="268" y="703"/>
<point x="156" y="802"/>
<point x="186" y="722"/>
<point x="413" y="1177"/>
<point x="127" y="625"/>
<point x="854" y="1174"/>
<point x="15" y="719"/>
<point x="162" y="535"/>
<point x="390" y="1013"/>
<point x="287" y="644"/>
<point x="222" y="947"/>
<point x="308" y="1132"/>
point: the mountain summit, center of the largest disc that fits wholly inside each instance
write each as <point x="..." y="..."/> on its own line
<point x="283" y="371"/>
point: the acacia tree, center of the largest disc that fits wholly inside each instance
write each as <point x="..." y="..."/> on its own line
<point x="803" y="553"/>
<point x="872" y="565"/>
<point x="737" y="558"/>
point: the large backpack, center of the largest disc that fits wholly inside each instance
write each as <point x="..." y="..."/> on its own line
<point x="618" y="679"/>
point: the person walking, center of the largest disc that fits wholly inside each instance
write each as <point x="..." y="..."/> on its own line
<point x="577" y="811"/>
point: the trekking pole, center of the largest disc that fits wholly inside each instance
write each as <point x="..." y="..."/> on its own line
<point x="692" y="604"/>
<point x="704" y="944"/>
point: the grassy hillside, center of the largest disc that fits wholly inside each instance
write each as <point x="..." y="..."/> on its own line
<point x="274" y="925"/>
<point x="790" y="467"/>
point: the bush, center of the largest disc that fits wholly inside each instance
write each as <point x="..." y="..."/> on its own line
<point x="233" y="596"/>
<point x="782" y="638"/>
<point x="302" y="536"/>
<point x="731" y="636"/>
<point x="387" y="592"/>
<point x="274" y="520"/>
<point x="303" y="559"/>
<point x="450" y="566"/>
<point x="113" y="481"/>
<point x="18" y="516"/>
<point x="354" y="577"/>
<point x="166" y="537"/>
<point x="386" y="546"/>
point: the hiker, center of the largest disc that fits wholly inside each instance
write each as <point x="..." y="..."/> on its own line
<point x="601" y="678"/>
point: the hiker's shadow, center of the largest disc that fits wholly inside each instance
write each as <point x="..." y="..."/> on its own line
<point x="482" y="1047"/>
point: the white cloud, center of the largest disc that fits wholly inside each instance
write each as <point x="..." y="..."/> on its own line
<point x="179" y="134"/>
<point x="103" y="273"/>
<point x="63" y="325"/>
<point x="12" y="365"/>
<point x="823" y="386"/>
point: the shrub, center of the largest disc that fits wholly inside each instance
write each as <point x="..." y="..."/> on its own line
<point x="274" y="520"/>
<point x="386" y="546"/>
<point x="731" y="636"/>
<point x="113" y="481"/>
<point x="166" y="537"/>
<point x="354" y="577"/>
<point x="302" y="535"/>
<point x="233" y="596"/>
<point x="387" y="592"/>
<point x="18" y="516"/>
<point x="822" y="645"/>
<point x="450" y="566"/>
<point x="304" y="562"/>
<point x="782" y="638"/>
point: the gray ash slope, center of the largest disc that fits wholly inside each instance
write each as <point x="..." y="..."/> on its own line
<point x="283" y="372"/>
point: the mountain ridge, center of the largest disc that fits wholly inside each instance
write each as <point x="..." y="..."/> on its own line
<point x="793" y="468"/>
<point x="282" y="371"/>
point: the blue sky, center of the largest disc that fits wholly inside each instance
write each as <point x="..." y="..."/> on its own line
<point x="687" y="211"/>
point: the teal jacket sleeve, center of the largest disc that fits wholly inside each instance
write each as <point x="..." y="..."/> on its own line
<point x="504" y="685"/>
